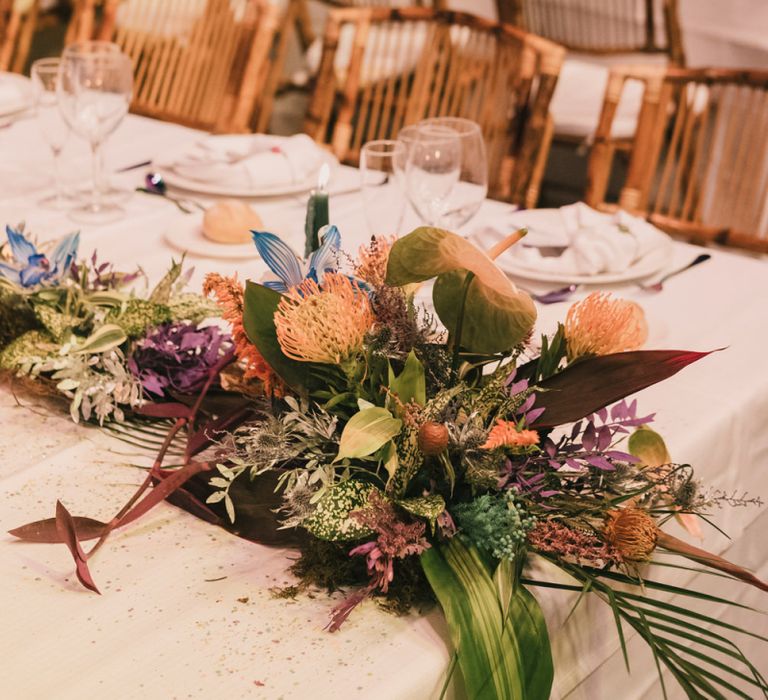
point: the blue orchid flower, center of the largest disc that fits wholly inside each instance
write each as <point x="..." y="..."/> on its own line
<point x="31" y="268"/>
<point x="292" y="271"/>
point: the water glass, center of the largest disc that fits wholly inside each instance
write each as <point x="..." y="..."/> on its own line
<point x="382" y="174"/>
<point x="95" y="87"/>
<point x="53" y="128"/>
<point x="471" y="188"/>
<point x="432" y="171"/>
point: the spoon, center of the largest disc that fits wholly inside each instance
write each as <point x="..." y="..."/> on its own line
<point x="553" y="297"/>
<point x="156" y="185"/>
<point x="658" y="286"/>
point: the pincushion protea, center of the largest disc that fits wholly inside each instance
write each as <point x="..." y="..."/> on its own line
<point x="601" y="325"/>
<point x="323" y="324"/>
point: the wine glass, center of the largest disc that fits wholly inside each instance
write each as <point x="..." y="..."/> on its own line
<point x="382" y="174"/>
<point x="53" y="128"/>
<point x="95" y="87"/>
<point x="432" y="171"/>
<point x="472" y="187"/>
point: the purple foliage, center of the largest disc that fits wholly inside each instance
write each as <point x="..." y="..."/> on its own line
<point x="177" y="357"/>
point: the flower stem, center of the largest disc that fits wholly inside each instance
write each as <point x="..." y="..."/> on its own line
<point x="456" y="340"/>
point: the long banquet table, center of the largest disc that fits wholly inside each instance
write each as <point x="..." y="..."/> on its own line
<point x="186" y="609"/>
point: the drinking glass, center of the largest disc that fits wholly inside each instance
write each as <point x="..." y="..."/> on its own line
<point x="432" y="171"/>
<point x="382" y="174"/>
<point x="53" y="128"/>
<point x="472" y="187"/>
<point x="95" y="86"/>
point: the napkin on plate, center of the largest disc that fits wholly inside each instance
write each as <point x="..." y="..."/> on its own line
<point x="246" y="161"/>
<point x="12" y="97"/>
<point x="593" y="242"/>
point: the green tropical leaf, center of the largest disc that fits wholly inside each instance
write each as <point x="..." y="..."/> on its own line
<point x="107" y="337"/>
<point x="367" y="431"/>
<point x="427" y="507"/>
<point x="331" y="520"/>
<point x="410" y="384"/>
<point x="497" y="315"/>
<point x="496" y="625"/>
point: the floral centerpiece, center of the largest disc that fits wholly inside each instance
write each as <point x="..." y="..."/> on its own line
<point x="410" y="456"/>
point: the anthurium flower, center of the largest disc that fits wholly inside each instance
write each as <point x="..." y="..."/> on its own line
<point x="292" y="271"/>
<point x="30" y="268"/>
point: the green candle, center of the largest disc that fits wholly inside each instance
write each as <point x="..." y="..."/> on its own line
<point x="317" y="212"/>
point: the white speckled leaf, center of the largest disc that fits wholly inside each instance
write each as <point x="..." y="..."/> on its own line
<point x="331" y="520"/>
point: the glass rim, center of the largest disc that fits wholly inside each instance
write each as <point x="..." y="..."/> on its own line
<point x="93" y="43"/>
<point x="49" y="63"/>
<point x="467" y="126"/>
<point x="440" y="134"/>
<point x="382" y="146"/>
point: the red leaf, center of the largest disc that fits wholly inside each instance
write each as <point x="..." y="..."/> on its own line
<point x="46" y="531"/>
<point x="588" y="385"/>
<point x="68" y="533"/>
<point x="165" y="410"/>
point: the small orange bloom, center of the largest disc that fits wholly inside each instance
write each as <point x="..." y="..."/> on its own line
<point x="373" y="259"/>
<point x="600" y="325"/>
<point x="506" y="434"/>
<point x="229" y="296"/>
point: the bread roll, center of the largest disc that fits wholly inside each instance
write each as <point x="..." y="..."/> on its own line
<point x="230" y="221"/>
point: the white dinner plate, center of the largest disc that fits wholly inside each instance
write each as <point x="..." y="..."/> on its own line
<point x="16" y="94"/>
<point x="186" y="235"/>
<point x="173" y="179"/>
<point x="545" y="229"/>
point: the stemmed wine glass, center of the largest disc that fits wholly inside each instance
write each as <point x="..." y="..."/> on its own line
<point x="382" y="174"/>
<point x="471" y="188"/>
<point x="53" y="128"/>
<point x="432" y="171"/>
<point x="95" y="87"/>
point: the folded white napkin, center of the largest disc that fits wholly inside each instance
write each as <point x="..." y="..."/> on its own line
<point x="593" y="242"/>
<point x="246" y="161"/>
<point x="12" y="97"/>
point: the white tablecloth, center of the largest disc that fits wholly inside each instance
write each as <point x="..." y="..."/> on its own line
<point x="186" y="610"/>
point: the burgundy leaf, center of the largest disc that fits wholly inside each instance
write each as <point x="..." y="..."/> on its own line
<point x="575" y="431"/>
<point x="46" y="531"/>
<point x="604" y="437"/>
<point x="622" y="456"/>
<point x="586" y="386"/>
<point x="68" y="534"/>
<point x="165" y="410"/>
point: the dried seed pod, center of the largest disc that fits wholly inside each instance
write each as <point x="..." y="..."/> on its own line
<point x="433" y="438"/>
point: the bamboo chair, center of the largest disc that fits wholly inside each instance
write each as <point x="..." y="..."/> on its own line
<point x="17" y="26"/>
<point x="201" y="63"/>
<point x="698" y="166"/>
<point x="414" y="63"/>
<point x="600" y="28"/>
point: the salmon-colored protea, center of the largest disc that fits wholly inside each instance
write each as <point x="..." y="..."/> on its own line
<point x="323" y="324"/>
<point x="632" y="532"/>
<point x="506" y="434"/>
<point x="601" y="325"/>
<point x="229" y="296"/>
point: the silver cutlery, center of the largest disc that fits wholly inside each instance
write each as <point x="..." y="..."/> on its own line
<point x="659" y="285"/>
<point x="555" y="296"/>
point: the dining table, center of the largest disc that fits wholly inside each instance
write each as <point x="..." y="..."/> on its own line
<point x="188" y="610"/>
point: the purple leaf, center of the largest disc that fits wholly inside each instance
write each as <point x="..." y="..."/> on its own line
<point x="554" y="464"/>
<point x="622" y="456"/>
<point x="589" y="438"/>
<point x="604" y="437"/>
<point x="600" y="462"/>
<point x="518" y="387"/>
<point x="603" y="414"/>
<point x="527" y="404"/>
<point x="573" y="464"/>
<point x="549" y="447"/>
<point x="533" y="414"/>
<point x="576" y="430"/>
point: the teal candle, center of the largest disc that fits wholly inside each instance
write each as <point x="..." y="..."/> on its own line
<point x="317" y="213"/>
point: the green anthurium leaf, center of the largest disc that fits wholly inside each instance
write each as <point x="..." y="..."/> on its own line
<point x="494" y="320"/>
<point x="410" y="384"/>
<point x="496" y="625"/>
<point x="331" y="520"/>
<point x="109" y="298"/>
<point x="367" y="431"/>
<point x="107" y="337"/>
<point x="649" y="447"/>
<point x="259" y="306"/>
<point x="427" y="507"/>
<point x="497" y="315"/>
<point x="391" y="460"/>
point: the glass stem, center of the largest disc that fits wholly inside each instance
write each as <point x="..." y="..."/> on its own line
<point x="96" y="202"/>
<point x="59" y="192"/>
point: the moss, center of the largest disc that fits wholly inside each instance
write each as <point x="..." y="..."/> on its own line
<point x="16" y="318"/>
<point x="138" y="315"/>
<point x="29" y="344"/>
<point x="409" y="588"/>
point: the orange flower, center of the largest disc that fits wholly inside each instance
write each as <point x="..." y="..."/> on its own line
<point x="229" y="296"/>
<point x="600" y="325"/>
<point x="373" y="259"/>
<point x="325" y="324"/>
<point x="632" y="532"/>
<point x="506" y="434"/>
